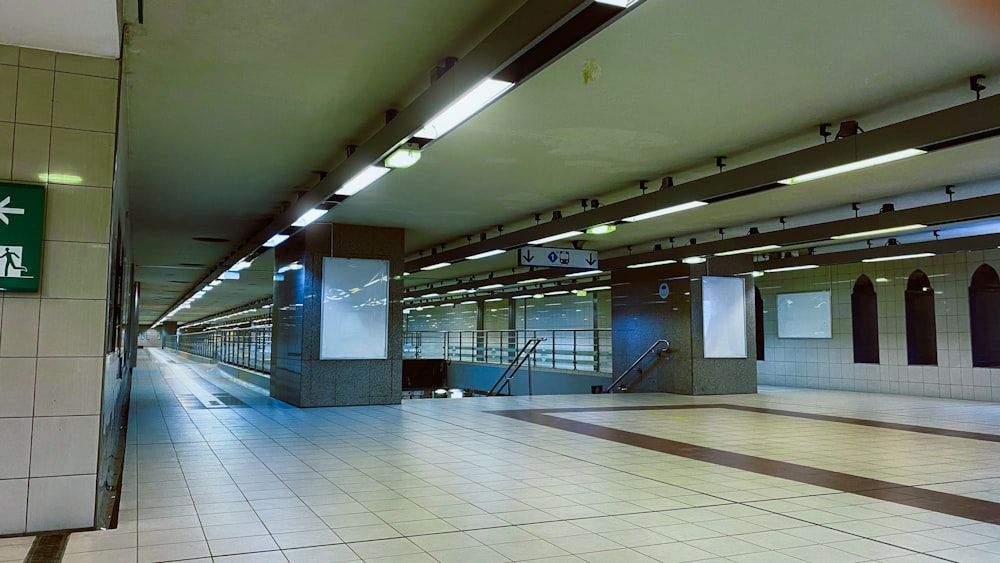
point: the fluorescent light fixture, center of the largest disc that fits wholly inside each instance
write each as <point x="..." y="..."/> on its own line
<point x="404" y="157"/>
<point x="275" y="240"/>
<point x="851" y="166"/>
<point x="60" y="179"/>
<point x="649" y="264"/>
<point x="597" y="288"/>
<point x="694" y="260"/>
<point x="538" y="296"/>
<point x="601" y="229"/>
<point x="533" y="280"/>
<point x="486" y="254"/>
<point x="876" y="232"/>
<point x="290" y="267"/>
<point x="308" y="217"/>
<point x="362" y="180"/>
<point x="432" y="294"/>
<point x="436" y="266"/>
<point x="881" y="280"/>
<point x="560" y="236"/>
<point x="492" y="299"/>
<point x="408" y="298"/>
<point x="454" y="291"/>
<point x="792" y="268"/>
<point x="467" y="303"/>
<point x="241" y="265"/>
<point x="749" y="250"/>
<point x="901" y="257"/>
<point x="560" y="292"/>
<point x="665" y="211"/>
<point x="587" y="273"/>
<point x="464" y="107"/>
<point x="527" y="296"/>
<point x="492" y="286"/>
<point x="216" y="282"/>
<point x="616" y="3"/>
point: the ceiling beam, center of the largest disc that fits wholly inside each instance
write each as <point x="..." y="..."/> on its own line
<point x="943" y="128"/>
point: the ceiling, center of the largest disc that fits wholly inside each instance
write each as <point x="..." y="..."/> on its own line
<point x="231" y="111"/>
<point x="82" y="27"/>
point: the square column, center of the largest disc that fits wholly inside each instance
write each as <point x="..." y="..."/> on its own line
<point x="298" y="374"/>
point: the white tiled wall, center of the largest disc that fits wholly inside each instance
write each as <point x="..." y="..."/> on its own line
<point x="829" y="363"/>
<point x="57" y="121"/>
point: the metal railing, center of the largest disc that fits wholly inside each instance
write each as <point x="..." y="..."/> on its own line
<point x="522" y="357"/>
<point x="616" y="384"/>
<point x="572" y="349"/>
<point x="248" y="348"/>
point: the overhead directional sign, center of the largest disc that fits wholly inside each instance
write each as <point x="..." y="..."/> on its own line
<point x="547" y="257"/>
<point x="22" y="212"/>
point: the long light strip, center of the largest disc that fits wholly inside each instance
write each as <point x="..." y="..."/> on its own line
<point x="902" y="257"/>
<point x="851" y="166"/>
<point x="275" y="240"/>
<point x="649" y="264"/>
<point x="362" y="180"/>
<point x="792" y="268"/>
<point x="749" y="250"/>
<point x="533" y="280"/>
<point x="876" y="232"/>
<point x="436" y="266"/>
<point x="665" y="211"/>
<point x="486" y="254"/>
<point x="491" y="286"/>
<point x="308" y="217"/>
<point x="560" y="236"/>
<point x="464" y="107"/>
<point x="587" y="273"/>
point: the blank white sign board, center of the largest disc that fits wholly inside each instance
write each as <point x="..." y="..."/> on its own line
<point x="355" y="315"/>
<point x="804" y="315"/>
<point x="723" y="303"/>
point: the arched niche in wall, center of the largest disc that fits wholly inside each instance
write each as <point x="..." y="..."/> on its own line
<point x="864" y="321"/>
<point x="921" y="328"/>
<point x="758" y="313"/>
<point x="984" y="316"/>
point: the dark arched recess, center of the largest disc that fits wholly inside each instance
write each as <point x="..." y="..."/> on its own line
<point x="758" y="308"/>
<point x="864" y="319"/>
<point x="984" y="315"/>
<point x="921" y="328"/>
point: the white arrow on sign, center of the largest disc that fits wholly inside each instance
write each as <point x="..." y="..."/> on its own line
<point x="4" y="211"/>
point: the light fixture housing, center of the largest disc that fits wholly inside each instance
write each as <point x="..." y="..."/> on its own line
<point x="852" y="166"/>
<point x="901" y="257"/>
<point x="241" y="265"/>
<point x="275" y="240"/>
<point x="792" y="268"/>
<point x="486" y="254"/>
<point x="403" y="157"/>
<point x="877" y="232"/>
<point x="764" y="248"/>
<point x="553" y="238"/>
<point x="694" y="260"/>
<point x="533" y="280"/>
<point x="308" y="217"/>
<point x="601" y="229"/>
<point x="436" y="266"/>
<point x="464" y="107"/>
<point x="586" y="273"/>
<point x="490" y="286"/>
<point x="665" y="211"/>
<point x="651" y="264"/>
<point x="362" y="180"/>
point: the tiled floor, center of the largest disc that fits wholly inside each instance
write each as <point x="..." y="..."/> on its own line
<point x="448" y="481"/>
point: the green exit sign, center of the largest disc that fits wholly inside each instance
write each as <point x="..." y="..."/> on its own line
<point x="22" y="211"/>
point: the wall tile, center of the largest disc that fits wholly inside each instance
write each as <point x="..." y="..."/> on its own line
<point x="71" y="327"/>
<point x="87" y="260"/>
<point x="31" y="153"/>
<point x="68" y="386"/>
<point x="61" y="503"/>
<point x="34" y="96"/>
<point x="91" y="66"/>
<point x="8" y="92"/>
<point x="13" y="505"/>
<point x="34" y="58"/>
<point x="76" y="213"/>
<point x="15" y="444"/>
<point x="20" y="323"/>
<point x="8" y="55"/>
<point x="85" y="154"/>
<point x="85" y="102"/>
<point x="17" y="386"/>
<point x="64" y="445"/>
<point x="6" y="149"/>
